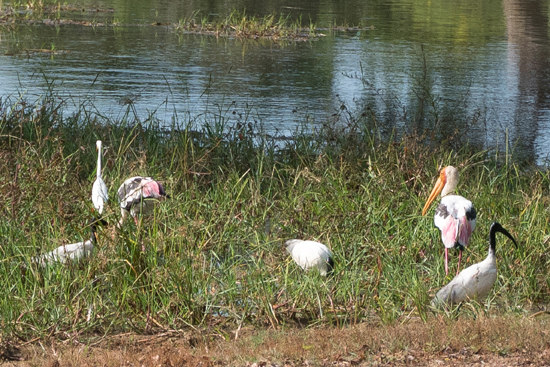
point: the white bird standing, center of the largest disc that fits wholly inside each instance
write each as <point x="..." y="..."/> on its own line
<point x="100" y="195"/>
<point x="475" y="281"/>
<point x="72" y="252"/>
<point x="455" y="216"/>
<point x="138" y="195"/>
<point x="311" y="254"/>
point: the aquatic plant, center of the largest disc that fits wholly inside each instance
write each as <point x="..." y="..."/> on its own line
<point x="240" y="24"/>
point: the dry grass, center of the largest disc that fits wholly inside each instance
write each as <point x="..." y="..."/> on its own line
<point x="440" y="341"/>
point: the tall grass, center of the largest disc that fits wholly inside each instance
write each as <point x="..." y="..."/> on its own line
<point x="214" y="254"/>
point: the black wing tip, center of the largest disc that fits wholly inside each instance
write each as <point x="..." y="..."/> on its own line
<point x="162" y="190"/>
<point x="471" y="214"/>
<point x="330" y="265"/>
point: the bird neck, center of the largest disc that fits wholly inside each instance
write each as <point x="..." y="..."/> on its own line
<point x="491" y="255"/>
<point x="98" y="173"/>
<point x="492" y="241"/>
<point x="93" y="237"/>
<point x="450" y="186"/>
<point x="451" y="180"/>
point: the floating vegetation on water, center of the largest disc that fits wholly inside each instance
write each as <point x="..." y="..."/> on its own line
<point x="236" y="24"/>
<point x="36" y="10"/>
<point x="51" y="14"/>
<point x="240" y="24"/>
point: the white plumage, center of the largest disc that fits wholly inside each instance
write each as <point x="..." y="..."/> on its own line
<point x="138" y="195"/>
<point x="476" y="281"/>
<point x="310" y="254"/>
<point x="455" y="216"/>
<point x="71" y="252"/>
<point x="100" y="195"/>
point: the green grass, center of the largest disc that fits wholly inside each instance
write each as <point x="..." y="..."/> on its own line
<point x="214" y="249"/>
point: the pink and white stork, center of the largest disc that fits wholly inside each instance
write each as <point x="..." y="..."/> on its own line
<point x="455" y="216"/>
<point x="138" y="195"/>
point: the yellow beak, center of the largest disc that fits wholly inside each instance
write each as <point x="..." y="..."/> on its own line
<point x="436" y="191"/>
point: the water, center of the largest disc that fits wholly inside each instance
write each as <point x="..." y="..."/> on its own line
<point x="486" y="60"/>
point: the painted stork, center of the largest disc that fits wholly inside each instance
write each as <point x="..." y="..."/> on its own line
<point x="455" y="216"/>
<point x="73" y="252"/>
<point x="475" y="281"/>
<point x="138" y="195"/>
<point x="311" y="254"/>
<point x="100" y="194"/>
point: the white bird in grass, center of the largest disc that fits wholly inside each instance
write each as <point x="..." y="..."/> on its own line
<point x="138" y="195"/>
<point x="311" y="254"/>
<point x="100" y="195"/>
<point x="72" y="252"/>
<point x="475" y="281"/>
<point x="455" y="216"/>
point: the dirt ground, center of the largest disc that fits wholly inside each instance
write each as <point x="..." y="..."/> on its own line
<point x="438" y="342"/>
<point x="165" y="355"/>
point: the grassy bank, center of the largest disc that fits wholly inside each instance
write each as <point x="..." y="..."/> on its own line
<point x="214" y="257"/>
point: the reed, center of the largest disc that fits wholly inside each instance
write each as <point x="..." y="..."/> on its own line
<point x="214" y="253"/>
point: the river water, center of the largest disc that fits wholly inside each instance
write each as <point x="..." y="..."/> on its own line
<point x="484" y="61"/>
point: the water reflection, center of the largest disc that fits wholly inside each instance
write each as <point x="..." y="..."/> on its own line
<point x="528" y="60"/>
<point x="485" y="63"/>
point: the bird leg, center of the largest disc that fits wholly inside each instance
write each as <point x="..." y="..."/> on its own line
<point x="446" y="261"/>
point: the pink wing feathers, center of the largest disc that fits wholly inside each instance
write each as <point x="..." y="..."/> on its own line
<point x="449" y="231"/>
<point x="456" y="218"/>
<point x="152" y="189"/>
<point x="465" y="230"/>
<point x="456" y="230"/>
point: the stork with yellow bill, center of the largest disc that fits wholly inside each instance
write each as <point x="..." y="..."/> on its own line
<point x="455" y="216"/>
